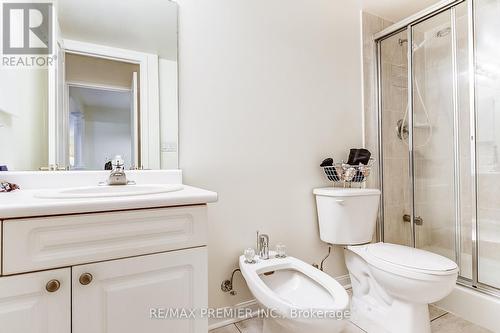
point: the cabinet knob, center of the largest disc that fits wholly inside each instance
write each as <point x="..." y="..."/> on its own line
<point x="85" y="279"/>
<point x="53" y="286"/>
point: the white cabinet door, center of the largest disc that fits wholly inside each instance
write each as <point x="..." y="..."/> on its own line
<point x="118" y="296"/>
<point x="36" y="303"/>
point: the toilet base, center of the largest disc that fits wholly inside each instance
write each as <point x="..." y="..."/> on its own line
<point x="398" y="317"/>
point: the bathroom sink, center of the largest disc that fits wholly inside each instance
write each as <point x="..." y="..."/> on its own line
<point x="107" y="191"/>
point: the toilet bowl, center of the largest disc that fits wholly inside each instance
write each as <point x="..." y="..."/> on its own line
<point x="295" y="296"/>
<point x="393" y="285"/>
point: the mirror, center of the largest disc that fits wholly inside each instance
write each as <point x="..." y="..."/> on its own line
<point x="86" y="81"/>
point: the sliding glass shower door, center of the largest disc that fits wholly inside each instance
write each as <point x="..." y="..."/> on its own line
<point x="439" y="123"/>
<point x="425" y="146"/>
<point x="434" y="135"/>
<point x="441" y="135"/>
<point x="487" y="13"/>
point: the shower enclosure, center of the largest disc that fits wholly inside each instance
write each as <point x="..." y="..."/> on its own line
<point x="438" y="81"/>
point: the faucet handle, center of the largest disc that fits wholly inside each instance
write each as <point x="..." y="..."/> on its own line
<point x="264" y="246"/>
<point x="118" y="161"/>
<point x="249" y="255"/>
<point x="264" y="240"/>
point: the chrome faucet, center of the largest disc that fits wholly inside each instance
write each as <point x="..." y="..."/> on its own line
<point x="263" y="246"/>
<point x="117" y="175"/>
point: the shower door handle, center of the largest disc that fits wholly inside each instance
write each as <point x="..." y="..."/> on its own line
<point x="402" y="130"/>
<point x="418" y="220"/>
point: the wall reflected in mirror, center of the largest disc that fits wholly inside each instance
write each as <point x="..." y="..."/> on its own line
<point x="103" y="111"/>
<point x="112" y="90"/>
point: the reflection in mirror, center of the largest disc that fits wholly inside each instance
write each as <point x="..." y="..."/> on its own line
<point x="103" y="111"/>
<point x="111" y="90"/>
<point x="100" y="125"/>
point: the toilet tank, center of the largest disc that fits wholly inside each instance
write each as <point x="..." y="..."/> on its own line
<point x="347" y="215"/>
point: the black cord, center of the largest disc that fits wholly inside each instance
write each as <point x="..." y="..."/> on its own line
<point x="322" y="261"/>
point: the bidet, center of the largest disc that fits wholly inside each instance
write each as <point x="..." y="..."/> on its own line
<point x="296" y="297"/>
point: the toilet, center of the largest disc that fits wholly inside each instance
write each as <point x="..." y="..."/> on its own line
<point x="295" y="296"/>
<point x="392" y="284"/>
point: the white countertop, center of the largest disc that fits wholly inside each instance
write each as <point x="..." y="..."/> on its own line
<point x="23" y="203"/>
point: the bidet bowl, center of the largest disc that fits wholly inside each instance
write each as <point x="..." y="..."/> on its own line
<point x="295" y="296"/>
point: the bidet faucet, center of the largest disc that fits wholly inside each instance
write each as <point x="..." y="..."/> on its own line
<point x="263" y="246"/>
<point x="117" y="175"/>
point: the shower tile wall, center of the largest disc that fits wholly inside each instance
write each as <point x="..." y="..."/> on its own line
<point x="395" y="157"/>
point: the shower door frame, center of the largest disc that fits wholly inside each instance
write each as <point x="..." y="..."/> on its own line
<point x="407" y="25"/>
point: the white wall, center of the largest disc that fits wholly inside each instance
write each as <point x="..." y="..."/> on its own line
<point x="23" y="115"/>
<point x="107" y="133"/>
<point x="267" y="90"/>
<point x="169" y="113"/>
<point x="23" y="118"/>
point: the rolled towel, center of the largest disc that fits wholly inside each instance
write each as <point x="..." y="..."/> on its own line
<point x="330" y="170"/>
<point x="327" y="162"/>
<point x="359" y="156"/>
<point x="7" y="187"/>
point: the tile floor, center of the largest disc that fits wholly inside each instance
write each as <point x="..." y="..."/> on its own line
<point x="441" y="322"/>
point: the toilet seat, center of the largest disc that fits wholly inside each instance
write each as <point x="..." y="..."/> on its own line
<point x="311" y="279"/>
<point x="405" y="261"/>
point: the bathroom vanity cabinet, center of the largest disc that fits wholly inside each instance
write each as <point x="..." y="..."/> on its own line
<point x="104" y="272"/>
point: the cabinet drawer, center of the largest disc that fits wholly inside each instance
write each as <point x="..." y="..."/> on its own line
<point x="41" y="243"/>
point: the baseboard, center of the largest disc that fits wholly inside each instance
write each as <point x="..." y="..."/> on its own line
<point x="252" y="307"/>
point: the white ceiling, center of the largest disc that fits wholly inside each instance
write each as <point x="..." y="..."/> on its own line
<point x="395" y="10"/>
<point x="142" y="25"/>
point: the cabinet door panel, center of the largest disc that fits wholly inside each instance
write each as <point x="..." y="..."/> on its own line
<point x="27" y="307"/>
<point x="122" y="293"/>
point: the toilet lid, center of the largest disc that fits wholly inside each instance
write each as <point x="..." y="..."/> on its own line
<point x="410" y="257"/>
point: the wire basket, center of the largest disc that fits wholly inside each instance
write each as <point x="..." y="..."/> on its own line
<point x="348" y="174"/>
